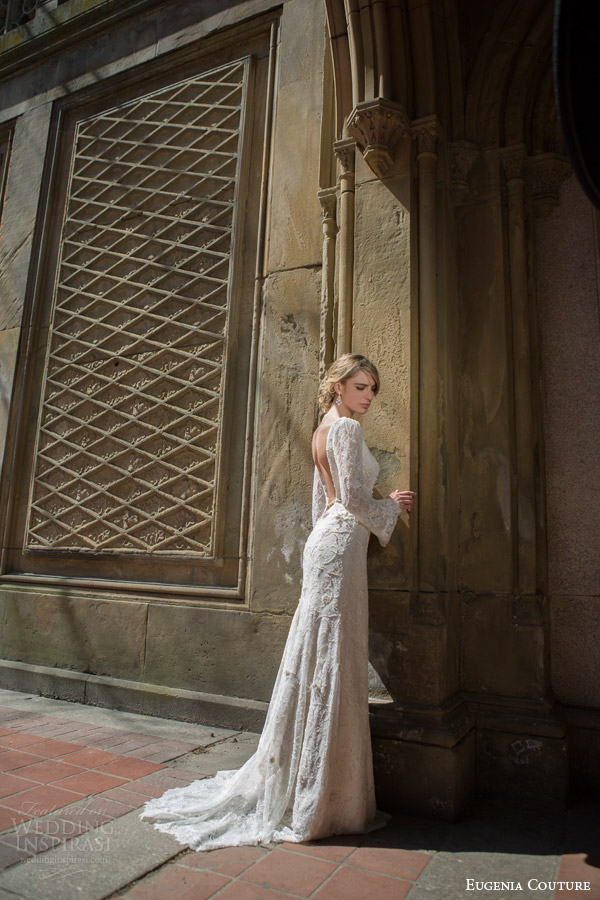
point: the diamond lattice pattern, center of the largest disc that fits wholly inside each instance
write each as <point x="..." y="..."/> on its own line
<point x="129" y="427"/>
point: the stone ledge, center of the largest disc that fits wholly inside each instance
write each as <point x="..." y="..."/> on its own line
<point x="54" y="30"/>
<point x="236" y="713"/>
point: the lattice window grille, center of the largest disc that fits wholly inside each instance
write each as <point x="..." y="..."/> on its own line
<point x="19" y="12"/>
<point x="129" y="430"/>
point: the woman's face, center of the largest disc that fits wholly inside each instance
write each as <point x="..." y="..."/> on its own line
<point x="357" y="393"/>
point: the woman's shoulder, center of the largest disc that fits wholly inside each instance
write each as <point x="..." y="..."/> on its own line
<point x="345" y="426"/>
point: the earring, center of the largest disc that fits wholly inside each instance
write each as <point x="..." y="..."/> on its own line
<point x="338" y="402"/>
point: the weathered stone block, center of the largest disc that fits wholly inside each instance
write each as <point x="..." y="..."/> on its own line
<point x="575" y="637"/>
<point x="414" y="645"/>
<point x="423" y="778"/>
<point x="484" y="391"/>
<point x="73" y="631"/>
<point x="295" y="227"/>
<point x="284" y="467"/>
<point x="567" y="255"/>
<point x="584" y="749"/>
<point x="217" y="651"/>
<point x="499" y="656"/>
<point x="9" y="341"/>
<point x="524" y="770"/>
<point x="20" y="210"/>
<point x="379" y="299"/>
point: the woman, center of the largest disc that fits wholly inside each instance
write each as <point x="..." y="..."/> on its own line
<point x="312" y="773"/>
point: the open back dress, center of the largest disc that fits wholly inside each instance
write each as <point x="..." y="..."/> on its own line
<point x="312" y="773"/>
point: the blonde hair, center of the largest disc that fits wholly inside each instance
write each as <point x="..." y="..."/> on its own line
<point x="340" y="371"/>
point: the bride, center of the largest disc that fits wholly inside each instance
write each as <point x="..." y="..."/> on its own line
<point x="312" y="773"/>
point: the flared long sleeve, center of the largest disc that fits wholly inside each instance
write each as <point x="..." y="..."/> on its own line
<point x="319" y="497"/>
<point x="347" y="442"/>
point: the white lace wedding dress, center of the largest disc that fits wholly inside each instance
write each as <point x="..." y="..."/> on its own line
<point x="312" y="774"/>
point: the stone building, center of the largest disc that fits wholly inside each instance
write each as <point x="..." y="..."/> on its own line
<point x="203" y="203"/>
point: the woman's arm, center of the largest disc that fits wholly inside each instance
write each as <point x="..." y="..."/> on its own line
<point x="379" y="516"/>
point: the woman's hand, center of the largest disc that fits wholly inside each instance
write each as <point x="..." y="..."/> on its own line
<point x="404" y="498"/>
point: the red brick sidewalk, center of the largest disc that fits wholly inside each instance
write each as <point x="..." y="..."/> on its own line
<point x="62" y="778"/>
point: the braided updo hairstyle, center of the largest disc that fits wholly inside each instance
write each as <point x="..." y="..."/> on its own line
<point x="340" y="371"/>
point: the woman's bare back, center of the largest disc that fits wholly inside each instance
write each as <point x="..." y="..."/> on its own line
<point x="319" y="452"/>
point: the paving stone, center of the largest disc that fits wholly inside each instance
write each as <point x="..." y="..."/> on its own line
<point x="42" y="799"/>
<point x="86" y="818"/>
<point x="32" y="841"/>
<point x="57" y="825"/>
<point x="90" y="758"/>
<point x="228" y="754"/>
<point x="129" y="768"/>
<point x="447" y="876"/>
<point x="107" y="806"/>
<point x="355" y="884"/>
<point x="126" y="796"/>
<point x="12" y="784"/>
<point x="337" y="849"/>
<point x="176" y="881"/>
<point x="48" y="771"/>
<point x="93" y="865"/>
<point x="398" y="862"/>
<point x="20" y="739"/>
<point x="9" y="855"/>
<point x="228" y="861"/>
<point x="10" y="818"/>
<point x="26" y="706"/>
<point x="15" y="759"/>
<point x="51" y="748"/>
<point x="241" y="890"/>
<point x="90" y="782"/>
<point x="163" y="756"/>
<point x="292" y="873"/>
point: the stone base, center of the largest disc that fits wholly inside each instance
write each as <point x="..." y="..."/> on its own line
<point x="522" y="754"/>
<point x="423" y="779"/>
<point x="424" y="760"/>
<point x="583" y="728"/>
<point x="237" y="713"/>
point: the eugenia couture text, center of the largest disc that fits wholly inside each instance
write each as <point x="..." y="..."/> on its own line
<point x="534" y="884"/>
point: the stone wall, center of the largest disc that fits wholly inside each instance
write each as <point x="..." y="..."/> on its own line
<point x="133" y="600"/>
<point x="393" y="194"/>
<point x="568" y="261"/>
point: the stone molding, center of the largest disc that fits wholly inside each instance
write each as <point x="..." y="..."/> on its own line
<point x="344" y="152"/>
<point x="377" y="125"/>
<point x="328" y="200"/>
<point x="545" y="175"/>
<point x="426" y="132"/>
<point x="462" y="156"/>
<point x="514" y="160"/>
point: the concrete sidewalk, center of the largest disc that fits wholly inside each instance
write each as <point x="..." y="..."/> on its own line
<point x="74" y="778"/>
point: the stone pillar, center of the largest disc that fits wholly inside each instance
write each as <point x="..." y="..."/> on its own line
<point x="524" y="574"/>
<point x="345" y="152"/>
<point x="328" y="200"/>
<point x="429" y="533"/>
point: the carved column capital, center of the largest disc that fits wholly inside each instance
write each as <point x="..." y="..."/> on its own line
<point x="513" y="160"/>
<point x="376" y="126"/>
<point x="328" y="201"/>
<point x="426" y="132"/>
<point x="546" y="172"/>
<point x="462" y="156"/>
<point x="344" y="152"/>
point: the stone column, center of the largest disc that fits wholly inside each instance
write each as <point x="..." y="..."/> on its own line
<point x="328" y="201"/>
<point x="345" y="152"/>
<point x="425" y="132"/>
<point x="513" y="161"/>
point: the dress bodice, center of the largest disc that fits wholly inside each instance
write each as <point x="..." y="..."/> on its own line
<point x="354" y="470"/>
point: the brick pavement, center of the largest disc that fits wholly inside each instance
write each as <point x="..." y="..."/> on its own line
<point x="65" y="784"/>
